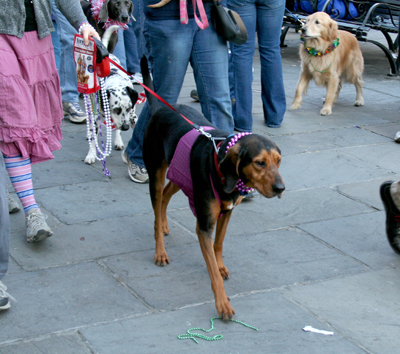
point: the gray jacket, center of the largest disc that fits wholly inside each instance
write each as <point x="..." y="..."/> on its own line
<point x="12" y="16"/>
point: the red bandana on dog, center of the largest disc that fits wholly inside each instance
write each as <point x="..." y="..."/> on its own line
<point x="96" y="7"/>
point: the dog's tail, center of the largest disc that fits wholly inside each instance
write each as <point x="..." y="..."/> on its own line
<point x="153" y="103"/>
<point x="107" y="34"/>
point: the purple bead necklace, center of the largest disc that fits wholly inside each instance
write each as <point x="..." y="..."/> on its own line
<point x="240" y="186"/>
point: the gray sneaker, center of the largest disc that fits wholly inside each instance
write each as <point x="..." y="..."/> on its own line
<point x="36" y="226"/>
<point x="74" y="112"/>
<point x="136" y="174"/>
<point x="4" y="298"/>
<point x="195" y="95"/>
<point x="13" y="206"/>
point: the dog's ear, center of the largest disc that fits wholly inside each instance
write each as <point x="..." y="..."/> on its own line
<point x="133" y="95"/>
<point x="333" y="29"/>
<point x="103" y="14"/>
<point x="229" y="168"/>
<point x="130" y="10"/>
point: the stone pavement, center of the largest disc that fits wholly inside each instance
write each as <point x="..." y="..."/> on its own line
<point x="317" y="257"/>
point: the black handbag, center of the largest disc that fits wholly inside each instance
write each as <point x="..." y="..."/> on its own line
<point x="228" y="24"/>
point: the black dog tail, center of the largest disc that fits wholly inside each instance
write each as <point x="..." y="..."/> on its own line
<point x="153" y="103"/>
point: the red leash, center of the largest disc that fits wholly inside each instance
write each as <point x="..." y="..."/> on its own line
<point x="151" y="91"/>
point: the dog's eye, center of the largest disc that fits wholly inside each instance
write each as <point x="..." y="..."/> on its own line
<point x="316" y="22"/>
<point x="117" y="111"/>
<point x="260" y="163"/>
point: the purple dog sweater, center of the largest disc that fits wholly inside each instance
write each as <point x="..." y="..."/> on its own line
<point x="179" y="169"/>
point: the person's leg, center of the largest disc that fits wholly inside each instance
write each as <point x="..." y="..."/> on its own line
<point x="169" y="52"/>
<point x="390" y="195"/>
<point x="209" y="59"/>
<point x="132" y="38"/>
<point x="241" y="68"/>
<point x="55" y="39"/>
<point x="4" y="236"/>
<point x="269" y="24"/>
<point x="119" y="50"/>
<point x="20" y="171"/>
<point x="67" y="70"/>
<point x="4" y="221"/>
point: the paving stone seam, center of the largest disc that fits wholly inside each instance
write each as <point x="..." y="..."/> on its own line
<point x="136" y="295"/>
<point x="70" y="330"/>
<point x="316" y="238"/>
<point x="329" y="325"/>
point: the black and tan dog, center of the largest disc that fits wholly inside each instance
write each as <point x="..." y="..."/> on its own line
<point x="254" y="159"/>
<point x="114" y="10"/>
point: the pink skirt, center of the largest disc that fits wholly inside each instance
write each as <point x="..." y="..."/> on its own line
<point x="30" y="98"/>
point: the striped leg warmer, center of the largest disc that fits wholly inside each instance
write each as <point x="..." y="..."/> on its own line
<point x="20" y="172"/>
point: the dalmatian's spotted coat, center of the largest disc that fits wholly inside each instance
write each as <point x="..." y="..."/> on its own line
<point x="122" y="97"/>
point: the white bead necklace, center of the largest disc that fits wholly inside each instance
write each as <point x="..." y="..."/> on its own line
<point x="93" y="109"/>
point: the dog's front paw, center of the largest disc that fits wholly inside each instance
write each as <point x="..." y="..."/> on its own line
<point x="119" y="146"/>
<point x="161" y="259"/>
<point x="359" y="102"/>
<point x="326" y="111"/>
<point x="224" y="272"/>
<point x="224" y="308"/>
<point x="165" y="227"/>
<point x="295" y="105"/>
<point x="90" y="159"/>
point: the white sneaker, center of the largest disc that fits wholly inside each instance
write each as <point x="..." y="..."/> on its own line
<point x="136" y="173"/>
<point x="74" y="112"/>
<point x="36" y="226"/>
<point x="397" y="137"/>
<point x="13" y="206"/>
<point x="5" y="303"/>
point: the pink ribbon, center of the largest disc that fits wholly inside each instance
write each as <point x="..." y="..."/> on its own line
<point x="203" y="23"/>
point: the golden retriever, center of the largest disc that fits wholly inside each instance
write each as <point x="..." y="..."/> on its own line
<point x="328" y="64"/>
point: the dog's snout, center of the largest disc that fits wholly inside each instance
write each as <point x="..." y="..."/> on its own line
<point x="303" y="30"/>
<point x="124" y="18"/>
<point x="278" y="188"/>
<point x="125" y="126"/>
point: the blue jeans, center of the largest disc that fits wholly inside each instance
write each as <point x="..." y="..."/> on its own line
<point x="4" y="221"/>
<point x="171" y="47"/>
<point x="119" y="50"/>
<point x="133" y="38"/>
<point x="67" y="71"/>
<point x="55" y="39"/>
<point x="265" y="17"/>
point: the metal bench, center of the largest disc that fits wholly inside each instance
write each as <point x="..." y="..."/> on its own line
<point x="383" y="16"/>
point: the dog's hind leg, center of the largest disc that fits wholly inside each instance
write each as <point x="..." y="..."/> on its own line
<point x="169" y="190"/>
<point x="222" y="225"/>
<point x="157" y="181"/>
<point x="359" y="98"/>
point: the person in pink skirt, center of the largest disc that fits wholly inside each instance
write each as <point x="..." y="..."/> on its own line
<point x="30" y="97"/>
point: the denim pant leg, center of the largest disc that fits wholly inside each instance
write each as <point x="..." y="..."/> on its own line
<point x="269" y="24"/>
<point x="67" y="70"/>
<point x="169" y="50"/>
<point x="119" y="50"/>
<point x="209" y="59"/>
<point x="133" y="37"/>
<point x="241" y="66"/>
<point x="4" y="221"/>
<point x="55" y="39"/>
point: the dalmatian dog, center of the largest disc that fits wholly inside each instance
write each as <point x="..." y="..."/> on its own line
<point x="122" y="98"/>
